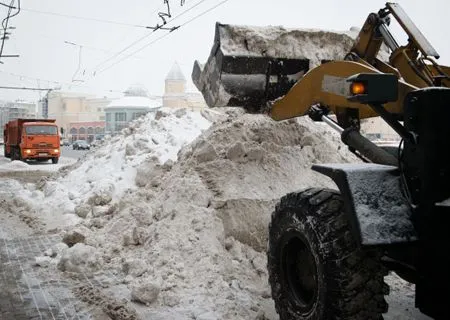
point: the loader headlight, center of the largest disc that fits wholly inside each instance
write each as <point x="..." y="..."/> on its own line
<point x="27" y="151"/>
<point x="56" y="151"/>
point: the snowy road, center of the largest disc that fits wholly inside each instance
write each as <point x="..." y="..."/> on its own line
<point x="68" y="152"/>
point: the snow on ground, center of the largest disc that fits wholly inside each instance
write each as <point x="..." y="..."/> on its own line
<point x="178" y="208"/>
<point x="109" y="170"/>
<point x="7" y="165"/>
<point x="112" y="166"/>
<point x="205" y="214"/>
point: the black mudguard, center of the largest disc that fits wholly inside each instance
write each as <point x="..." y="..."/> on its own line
<point x="377" y="211"/>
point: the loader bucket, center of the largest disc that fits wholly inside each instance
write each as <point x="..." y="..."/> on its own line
<point x="249" y="66"/>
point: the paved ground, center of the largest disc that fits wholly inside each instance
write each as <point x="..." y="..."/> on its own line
<point x="67" y="151"/>
<point x="29" y="293"/>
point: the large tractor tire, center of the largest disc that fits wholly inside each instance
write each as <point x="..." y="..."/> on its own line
<point x="316" y="269"/>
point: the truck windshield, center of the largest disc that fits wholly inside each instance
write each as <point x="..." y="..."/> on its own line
<point x="36" y="130"/>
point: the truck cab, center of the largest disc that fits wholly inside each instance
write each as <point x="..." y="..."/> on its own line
<point x="32" y="139"/>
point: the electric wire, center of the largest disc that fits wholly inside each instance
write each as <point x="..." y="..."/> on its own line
<point x="5" y="23"/>
<point x="85" y="18"/>
<point x="57" y="83"/>
<point x="165" y="35"/>
<point x="7" y="5"/>
<point x="98" y="66"/>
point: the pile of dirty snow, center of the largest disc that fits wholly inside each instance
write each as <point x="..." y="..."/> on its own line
<point x="107" y="172"/>
<point x="280" y="42"/>
<point x="189" y="243"/>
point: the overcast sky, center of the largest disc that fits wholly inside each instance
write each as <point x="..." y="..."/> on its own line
<point x="40" y="39"/>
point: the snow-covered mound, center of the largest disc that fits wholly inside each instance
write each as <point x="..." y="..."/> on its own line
<point x="190" y="241"/>
<point x="112" y="167"/>
<point x="277" y="41"/>
<point x="107" y="172"/>
<point x="16" y="165"/>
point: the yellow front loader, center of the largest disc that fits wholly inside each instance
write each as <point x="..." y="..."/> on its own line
<point x="329" y="250"/>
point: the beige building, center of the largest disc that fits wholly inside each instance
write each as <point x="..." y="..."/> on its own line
<point x="70" y="107"/>
<point x="176" y="93"/>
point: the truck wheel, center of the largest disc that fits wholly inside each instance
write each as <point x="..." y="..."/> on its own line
<point x="15" y="154"/>
<point x="55" y="160"/>
<point x="316" y="269"/>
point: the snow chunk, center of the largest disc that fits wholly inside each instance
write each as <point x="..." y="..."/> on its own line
<point x="80" y="258"/>
<point x="145" y="292"/>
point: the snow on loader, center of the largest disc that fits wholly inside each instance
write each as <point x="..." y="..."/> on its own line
<point x="329" y="250"/>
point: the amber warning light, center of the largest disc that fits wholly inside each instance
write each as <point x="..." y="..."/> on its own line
<point x="383" y="88"/>
<point x="358" y="88"/>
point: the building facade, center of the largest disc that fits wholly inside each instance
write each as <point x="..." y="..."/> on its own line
<point x="71" y="107"/>
<point x="177" y="94"/>
<point x="86" y="130"/>
<point x="134" y="104"/>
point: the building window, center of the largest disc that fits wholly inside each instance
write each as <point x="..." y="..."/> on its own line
<point x="99" y="130"/>
<point x="99" y="109"/>
<point x="121" y="116"/>
<point x="121" y="125"/>
<point x="108" y="117"/>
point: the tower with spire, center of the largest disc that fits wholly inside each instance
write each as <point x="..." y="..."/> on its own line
<point x="175" y="88"/>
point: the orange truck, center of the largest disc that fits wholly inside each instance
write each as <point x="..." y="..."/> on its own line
<point x="32" y="139"/>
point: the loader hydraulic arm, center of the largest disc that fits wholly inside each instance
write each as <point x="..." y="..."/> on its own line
<point x="414" y="62"/>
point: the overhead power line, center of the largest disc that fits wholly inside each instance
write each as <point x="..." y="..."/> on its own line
<point x="57" y="83"/>
<point x="7" y="5"/>
<point x="165" y="35"/>
<point x="24" y="88"/>
<point x="86" y="18"/>
<point x="99" y="66"/>
<point x="5" y="24"/>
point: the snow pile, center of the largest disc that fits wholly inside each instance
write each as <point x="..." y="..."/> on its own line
<point x="106" y="173"/>
<point x="112" y="167"/>
<point x="190" y="242"/>
<point x="16" y="165"/>
<point x="222" y="85"/>
<point x="280" y="42"/>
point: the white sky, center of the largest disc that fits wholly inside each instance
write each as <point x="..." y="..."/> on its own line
<point x="39" y="38"/>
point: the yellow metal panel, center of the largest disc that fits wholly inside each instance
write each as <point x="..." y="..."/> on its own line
<point x="310" y="90"/>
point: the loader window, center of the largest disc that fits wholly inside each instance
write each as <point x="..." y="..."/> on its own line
<point x="36" y="130"/>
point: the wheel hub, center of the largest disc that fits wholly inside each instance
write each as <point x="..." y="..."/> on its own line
<point x="299" y="271"/>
